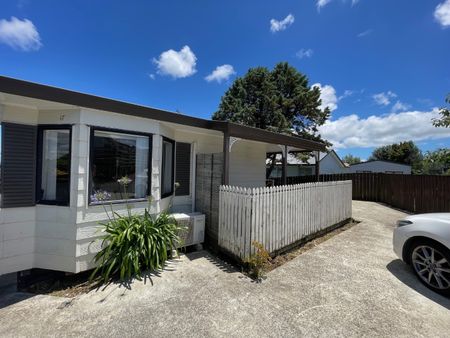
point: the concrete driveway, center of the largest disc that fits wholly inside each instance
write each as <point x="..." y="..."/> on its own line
<point x="350" y="285"/>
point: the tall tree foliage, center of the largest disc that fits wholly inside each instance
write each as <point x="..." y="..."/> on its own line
<point x="350" y="159"/>
<point x="444" y="119"/>
<point x="280" y="100"/>
<point x="437" y="162"/>
<point x="403" y="152"/>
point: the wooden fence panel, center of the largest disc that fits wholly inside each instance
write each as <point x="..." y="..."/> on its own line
<point x="279" y="216"/>
<point x="415" y="193"/>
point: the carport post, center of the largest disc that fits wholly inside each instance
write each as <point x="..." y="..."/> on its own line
<point x="317" y="166"/>
<point x="284" y="172"/>
<point x="226" y="158"/>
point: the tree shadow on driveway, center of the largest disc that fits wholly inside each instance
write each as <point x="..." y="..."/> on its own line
<point x="404" y="273"/>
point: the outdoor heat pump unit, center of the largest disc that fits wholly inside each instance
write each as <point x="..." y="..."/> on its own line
<point x="195" y="224"/>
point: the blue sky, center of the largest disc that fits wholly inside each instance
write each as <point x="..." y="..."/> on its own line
<point x="383" y="66"/>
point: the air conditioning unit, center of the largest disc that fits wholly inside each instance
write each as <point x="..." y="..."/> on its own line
<point x="195" y="228"/>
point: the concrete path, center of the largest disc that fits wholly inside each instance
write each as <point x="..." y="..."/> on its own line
<point x="350" y="285"/>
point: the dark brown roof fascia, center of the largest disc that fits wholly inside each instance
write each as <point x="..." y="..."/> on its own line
<point x="49" y="93"/>
<point x="43" y="92"/>
<point x="261" y="135"/>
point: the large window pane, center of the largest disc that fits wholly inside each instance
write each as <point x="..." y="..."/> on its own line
<point x="167" y="168"/>
<point x="116" y="155"/>
<point x="55" y="172"/>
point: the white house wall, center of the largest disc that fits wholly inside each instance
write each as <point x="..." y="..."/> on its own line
<point x="331" y="165"/>
<point x="64" y="238"/>
<point x="248" y="164"/>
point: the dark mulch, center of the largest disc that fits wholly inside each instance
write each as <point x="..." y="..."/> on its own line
<point x="63" y="285"/>
<point x="295" y="252"/>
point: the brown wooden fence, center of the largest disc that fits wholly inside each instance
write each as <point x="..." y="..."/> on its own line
<point x="415" y="193"/>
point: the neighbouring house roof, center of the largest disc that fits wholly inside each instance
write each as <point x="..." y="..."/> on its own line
<point x="369" y="161"/>
<point x="43" y="92"/>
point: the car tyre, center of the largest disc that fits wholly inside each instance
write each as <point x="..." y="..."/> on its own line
<point x="431" y="264"/>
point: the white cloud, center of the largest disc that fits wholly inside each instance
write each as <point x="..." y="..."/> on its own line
<point x="304" y="53"/>
<point x="323" y="3"/>
<point x="384" y="98"/>
<point x="151" y="76"/>
<point x="373" y="131"/>
<point x="400" y="106"/>
<point x="442" y="13"/>
<point x="347" y="93"/>
<point x="177" y="64"/>
<point x="365" y="33"/>
<point x="20" y="34"/>
<point x="276" y="26"/>
<point x="221" y="73"/>
<point x="328" y="96"/>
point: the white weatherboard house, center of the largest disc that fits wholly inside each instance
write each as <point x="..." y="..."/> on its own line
<point x="380" y="166"/>
<point x="59" y="147"/>
<point x="331" y="163"/>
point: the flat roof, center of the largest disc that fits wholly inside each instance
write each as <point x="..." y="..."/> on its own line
<point x="44" y="92"/>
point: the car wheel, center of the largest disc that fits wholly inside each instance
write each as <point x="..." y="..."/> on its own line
<point x="431" y="263"/>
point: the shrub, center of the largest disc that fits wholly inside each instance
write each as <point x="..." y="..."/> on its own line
<point x="258" y="263"/>
<point x="136" y="243"/>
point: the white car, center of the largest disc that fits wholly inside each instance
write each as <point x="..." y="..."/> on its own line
<point x="423" y="241"/>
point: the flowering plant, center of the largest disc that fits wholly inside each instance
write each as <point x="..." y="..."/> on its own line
<point x="100" y="196"/>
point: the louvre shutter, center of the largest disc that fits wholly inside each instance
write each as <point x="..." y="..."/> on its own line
<point x="18" y="172"/>
<point x="183" y="168"/>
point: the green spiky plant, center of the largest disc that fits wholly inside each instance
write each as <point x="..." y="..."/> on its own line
<point x="133" y="244"/>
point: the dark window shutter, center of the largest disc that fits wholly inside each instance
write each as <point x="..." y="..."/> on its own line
<point x="18" y="172"/>
<point x="183" y="168"/>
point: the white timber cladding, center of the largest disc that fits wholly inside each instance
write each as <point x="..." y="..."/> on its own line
<point x="279" y="216"/>
<point x="330" y="164"/>
<point x="17" y="225"/>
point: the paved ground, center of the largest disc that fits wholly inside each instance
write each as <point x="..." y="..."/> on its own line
<point x="350" y="285"/>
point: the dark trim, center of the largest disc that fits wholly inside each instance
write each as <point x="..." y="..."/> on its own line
<point x="92" y="130"/>
<point x="167" y="194"/>
<point x="181" y="159"/>
<point x="261" y="135"/>
<point x="18" y="172"/>
<point x="39" y="152"/>
<point x="43" y="92"/>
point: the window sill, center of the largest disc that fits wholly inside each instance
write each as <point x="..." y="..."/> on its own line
<point x="93" y="204"/>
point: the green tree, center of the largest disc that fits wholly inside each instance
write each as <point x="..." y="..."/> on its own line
<point x="444" y="120"/>
<point x="279" y="100"/>
<point x="350" y="159"/>
<point x="437" y="162"/>
<point x="404" y="152"/>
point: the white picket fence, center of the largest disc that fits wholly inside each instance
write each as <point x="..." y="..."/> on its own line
<point x="279" y="216"/>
